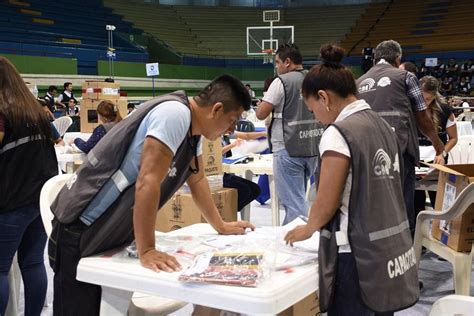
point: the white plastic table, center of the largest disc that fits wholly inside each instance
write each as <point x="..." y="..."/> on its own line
<point x="68" y="159"/>
<point x="263" y="164"/>
<point x="120" y="276"/>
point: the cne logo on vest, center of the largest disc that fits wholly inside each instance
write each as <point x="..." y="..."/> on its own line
<point x="71" y="181"/>
<point x="366" y="85"/>
<point x="172" y="170"/>
<point x="384" y="82"/>
<point x="382" y="164"/>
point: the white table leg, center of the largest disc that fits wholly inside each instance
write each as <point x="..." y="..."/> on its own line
<point x="70" y="167"/>
<point x="114" y="301"/>
<point x="274" y="202"/>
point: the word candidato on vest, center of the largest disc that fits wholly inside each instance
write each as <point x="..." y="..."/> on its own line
<point x="398" y="266"/>
<point x="317" y="132"/>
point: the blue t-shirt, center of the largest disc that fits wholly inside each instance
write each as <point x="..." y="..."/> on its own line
<point x="169" y="123"/>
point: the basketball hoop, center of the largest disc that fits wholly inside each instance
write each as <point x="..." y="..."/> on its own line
<point x="268" y="57"/>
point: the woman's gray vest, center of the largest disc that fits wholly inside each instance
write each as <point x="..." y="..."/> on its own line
<point x="384" y="88"/>
<point x="301" y="132"/>
<point x="378" y="229"/>
<point x="114" y="227"/>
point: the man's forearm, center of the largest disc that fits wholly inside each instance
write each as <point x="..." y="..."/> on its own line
<point x="425" y="124"/>
<point x="203" y="199"/>
<point x="144" y="216"/>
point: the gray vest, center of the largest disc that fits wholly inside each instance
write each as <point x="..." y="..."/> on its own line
<point x="115" y="226"/>
<point x="301" y="132"/>
<point x="384" y="88"/>
<point x="378" y="229"/>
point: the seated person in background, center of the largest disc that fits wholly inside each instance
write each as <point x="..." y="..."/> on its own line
<point x="249" y="89"/>
<point x="445" y="124"/>
<point x="464" y="87"/>
<point x="72" y="108"/>
<point x="247" y="190"/>
<point x="130" y="108"/>
<point x="446" y="87"/>
<point x="108" y="114"/>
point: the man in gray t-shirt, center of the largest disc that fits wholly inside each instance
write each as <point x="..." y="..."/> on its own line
<point x="291" y="173"/>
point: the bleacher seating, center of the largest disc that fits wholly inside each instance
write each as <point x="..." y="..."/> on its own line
<point x="221" y="31"/>
<point x="420" y="26"/>
<point x="65" y="29"/>
<point x="319" y="25"/>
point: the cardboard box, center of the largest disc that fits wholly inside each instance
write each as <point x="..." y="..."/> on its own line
<point x="89" y="118"/>
<point x="181" y="211"/>
<point x="100" y="90"/>
<point x="457" y="234"/>
<point x="212" y="156"/>
<point x="122" y="106"/>
<point x="309" y="306"/>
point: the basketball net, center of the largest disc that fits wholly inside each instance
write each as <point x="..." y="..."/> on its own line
<point x="268" y="57"/>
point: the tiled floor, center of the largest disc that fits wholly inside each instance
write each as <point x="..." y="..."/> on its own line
<point x="436" y="275"/>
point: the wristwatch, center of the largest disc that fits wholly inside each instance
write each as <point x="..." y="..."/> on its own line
<point x="444" y="153"/>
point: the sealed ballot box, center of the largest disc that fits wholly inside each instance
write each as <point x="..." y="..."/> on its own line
<point x="458" y="233"/>
<point x="100" y="90"/>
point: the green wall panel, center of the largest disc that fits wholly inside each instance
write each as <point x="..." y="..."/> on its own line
<point x="43" y="65"/>
<point x="128" y="69"/>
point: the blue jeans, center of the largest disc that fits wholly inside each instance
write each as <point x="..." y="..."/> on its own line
<point x="22" y="230"/>
<point x="291" y="175"/>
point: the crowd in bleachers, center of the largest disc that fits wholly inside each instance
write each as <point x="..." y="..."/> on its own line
<point x="456" y="78"/>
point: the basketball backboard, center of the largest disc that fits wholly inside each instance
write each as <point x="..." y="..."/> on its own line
<point x="261" y="38"/>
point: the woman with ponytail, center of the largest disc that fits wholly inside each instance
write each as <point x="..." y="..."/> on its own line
<point x="444" y="123"/>
<point x="359" y="207"/>
<point x="441" y="114"/>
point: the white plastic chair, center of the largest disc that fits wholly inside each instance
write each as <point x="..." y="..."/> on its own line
<point x="62" y="124"/>
<point x="463" y="152"/>
<point x="141" y="304"/>
<point x="464" y="128"/>
<point x="453" y="305"/>
<point x="461" y="261"/>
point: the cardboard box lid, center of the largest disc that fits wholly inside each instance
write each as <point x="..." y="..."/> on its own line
<point x="466" y="170"/>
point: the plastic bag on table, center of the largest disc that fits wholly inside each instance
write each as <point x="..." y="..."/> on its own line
<point x="184" y="246"/>
<point x="244" y="263"/>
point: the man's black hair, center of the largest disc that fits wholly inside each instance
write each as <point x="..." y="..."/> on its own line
<point x="228" y="90"/>
<point x="52" y="88"/>
<point x="290" y="51"/>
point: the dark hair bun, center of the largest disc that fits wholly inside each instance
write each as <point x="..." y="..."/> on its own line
<point x="331" y="54"/>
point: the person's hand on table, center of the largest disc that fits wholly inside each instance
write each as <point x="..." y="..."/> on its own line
<point x="235" y="228"/>
<point x="439" y="159"/>
<point x="300" y="232"/>
<point x="157" y="260"/>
